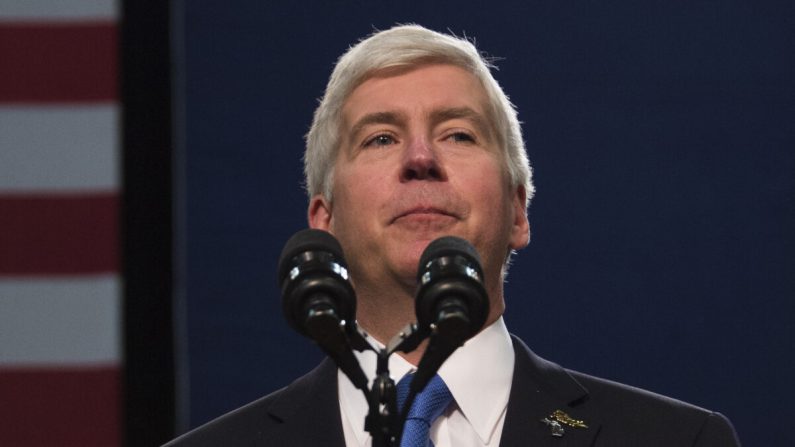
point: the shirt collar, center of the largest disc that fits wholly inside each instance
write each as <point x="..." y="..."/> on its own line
<point x="478" y="374"/>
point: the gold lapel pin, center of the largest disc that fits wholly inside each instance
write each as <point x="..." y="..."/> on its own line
<point x="565" y="419"/>
<point x="558" y="419"/>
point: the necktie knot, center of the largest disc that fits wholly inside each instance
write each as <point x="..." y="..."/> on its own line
<point x="428" y="405"/>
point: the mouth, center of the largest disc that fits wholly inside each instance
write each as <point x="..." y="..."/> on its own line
<point x="421" y="213"/>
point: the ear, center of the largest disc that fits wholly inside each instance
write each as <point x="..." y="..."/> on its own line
<point x="520" y="230"/>
<point x="319" y="213"/>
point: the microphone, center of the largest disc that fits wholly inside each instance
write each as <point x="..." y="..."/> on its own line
<point x="314" y="281"/>
<point x="451" y="298"/>
<point x="451" y="304"/>
<point x="318" y="300"/>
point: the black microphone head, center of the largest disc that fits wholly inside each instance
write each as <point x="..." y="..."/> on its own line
<point x="450" y="280"/>
<point x="449" y="246"/>
<point x="314" y="281"/>
<point x="307" y="240"/>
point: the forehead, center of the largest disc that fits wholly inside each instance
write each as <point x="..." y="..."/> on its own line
<point x="423" y="88"/>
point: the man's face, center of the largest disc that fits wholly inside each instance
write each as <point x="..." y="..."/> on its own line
<point x="418" y="160"/>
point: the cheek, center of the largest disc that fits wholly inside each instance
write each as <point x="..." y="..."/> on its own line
<point x="490" y="192"/>
<point x="353" y="198"/>
<point x="349" y="193"/>
<point x="364" y="185"/>
<point x="487" y="181"/>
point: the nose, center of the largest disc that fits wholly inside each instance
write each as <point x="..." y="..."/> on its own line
<point x="421" y="162"/>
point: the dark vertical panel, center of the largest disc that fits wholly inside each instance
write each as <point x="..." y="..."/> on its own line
<point x="146" y="223"/>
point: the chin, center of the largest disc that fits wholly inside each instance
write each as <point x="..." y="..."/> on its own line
<point x="405" y="267"/>
<point x="407" y="270"/>
<point x="412" y="251"/>
<point x="406" y="255"/>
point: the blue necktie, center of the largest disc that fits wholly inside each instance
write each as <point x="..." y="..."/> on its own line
<point x="427" y="406"/>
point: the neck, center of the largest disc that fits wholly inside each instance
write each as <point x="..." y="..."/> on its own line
<point x="384" y="311"/>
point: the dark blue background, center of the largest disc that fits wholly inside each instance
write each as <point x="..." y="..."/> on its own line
<point x="661" y="133"/>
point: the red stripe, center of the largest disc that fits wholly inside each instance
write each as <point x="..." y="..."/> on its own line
<point x="63" y="407"/>
<point x="56" y="62"/>
<point x="59" y="234"/>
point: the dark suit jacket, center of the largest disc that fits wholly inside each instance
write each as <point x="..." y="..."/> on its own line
<point x="306" y="413"/>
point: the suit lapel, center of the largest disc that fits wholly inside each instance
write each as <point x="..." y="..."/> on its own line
<point x="309" y="410"/>
<point x="540" y="388"/>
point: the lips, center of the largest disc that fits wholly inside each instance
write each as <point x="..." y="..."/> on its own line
<point x="425" y="202"/>
<point x="422" y="211"/>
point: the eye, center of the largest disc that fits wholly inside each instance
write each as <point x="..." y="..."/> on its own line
<point x="380" y="140"/>
<point x="461" y="137"/>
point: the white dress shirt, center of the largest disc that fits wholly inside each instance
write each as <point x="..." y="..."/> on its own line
<point x="479" y="376"/>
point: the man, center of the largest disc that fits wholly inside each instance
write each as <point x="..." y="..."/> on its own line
<point x="414" y="140"/>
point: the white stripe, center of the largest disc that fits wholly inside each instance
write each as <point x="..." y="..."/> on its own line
<point x="58" y="10"/>
<point x="60" y="321"/>
<point x="69" y="147"/>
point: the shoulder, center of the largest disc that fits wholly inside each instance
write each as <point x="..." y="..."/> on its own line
<point x="619" y="413"/>
<point x="615" y="396"/>
<point x="275" y="418"/>
<point x="247" y="425"/>
<point x="625" y="408"/>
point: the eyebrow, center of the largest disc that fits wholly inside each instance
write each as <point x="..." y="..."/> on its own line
<point x="394" y="118"/>
<point x="437" y="116"/>
<point x="465" y="113"/>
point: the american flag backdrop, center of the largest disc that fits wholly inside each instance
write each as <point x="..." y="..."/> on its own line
<point x="60" y="287"/>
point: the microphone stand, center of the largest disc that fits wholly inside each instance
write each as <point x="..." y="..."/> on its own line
<point x="383" y="421"/>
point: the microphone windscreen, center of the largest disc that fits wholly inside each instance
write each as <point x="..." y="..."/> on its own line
<point x="307" y="240"/>
<point x="448" y="246"/>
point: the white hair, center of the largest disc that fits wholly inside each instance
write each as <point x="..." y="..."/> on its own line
<point x="407" y="46"/>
